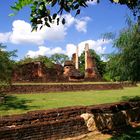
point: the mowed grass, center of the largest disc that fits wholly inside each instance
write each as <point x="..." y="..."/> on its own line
<point x="62" y="83"/>
<point x="21" y="103"/>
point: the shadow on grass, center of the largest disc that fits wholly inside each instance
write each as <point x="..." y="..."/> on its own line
<point x="130" y="134"/>
<point x="11" y="102"/>
<point x="130" y="98"/>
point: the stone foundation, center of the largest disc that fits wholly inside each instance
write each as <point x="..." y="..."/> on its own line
<point x="60" y="88"/>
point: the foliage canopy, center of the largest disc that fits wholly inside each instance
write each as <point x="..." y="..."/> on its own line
<point x="41" y="13"/>
<point x="59" y="58"/>
<point x="6" y="66"/>
<point x="125" y="64"/>
<point x="44" y="59"/>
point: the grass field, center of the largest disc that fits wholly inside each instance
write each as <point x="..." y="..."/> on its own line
<point x="62" y="83"/>
<point x="17" y="104"/>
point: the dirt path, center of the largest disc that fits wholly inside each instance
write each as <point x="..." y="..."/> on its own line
<point x="91" y="136"/>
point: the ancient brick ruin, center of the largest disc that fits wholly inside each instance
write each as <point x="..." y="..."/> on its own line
<point x="38" y="72"/>
<point x="71" y="72"/>
<point x="91" y="71"/>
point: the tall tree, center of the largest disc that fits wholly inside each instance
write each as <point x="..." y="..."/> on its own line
<point x="125" y="64"/>
<point x="41" y="13"/>
<point x="6" y="65"/>
<point x="59" y="58"/>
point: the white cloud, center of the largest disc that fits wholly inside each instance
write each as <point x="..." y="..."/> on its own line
<point x="80" y="24"/>
<point x="56" y="32"/>
<point x="70" y="20"/>
<point x="22" y="31"/>
<point x="70" y="49"/>
<point x="4" y="37"/>
<point x="98" y="45"/>
<point x="56" y="50"/>
<point x="43" y="50"/>
<point x="92" y="2"/>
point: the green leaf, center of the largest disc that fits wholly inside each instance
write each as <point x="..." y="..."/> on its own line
<point x="54" y="2"/>
<point x="50" y="19"/>
<point x="14" y="8"/>
<point x="47" y="24"/>
<point x="58" y="21"/>
<point x="63" y="21"/>
<point x="11" y="15"/>
<point x="76" y="6"/>
<point x="54" y="16"/>
<point x="78" y="12"/>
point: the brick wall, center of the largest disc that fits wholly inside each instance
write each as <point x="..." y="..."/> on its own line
<point x="61" y="87"/>
<point x="66" y="122"/>
<point x="34" y="117"/>
<point x="45" y="130"/>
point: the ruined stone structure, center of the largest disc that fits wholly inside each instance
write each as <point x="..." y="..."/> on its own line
<point x="38" y="72"/>
<point x="68" y="67"/>
<point x="71" y="72"/>
<point x="77" y="62"/>
<point x="91" y="71"/>
<point x="28" y="71"/>
<point x="75" y="59"/>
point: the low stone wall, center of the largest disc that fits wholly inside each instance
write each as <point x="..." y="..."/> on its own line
<point x="60" y="88"/>
<point x="45" y="130"/>
<point x="34" y="117"/>
<point x="66" y="122"/>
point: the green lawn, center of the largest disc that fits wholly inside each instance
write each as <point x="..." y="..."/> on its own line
<point x="59" y="83"/>
<point x="16" y="104"/>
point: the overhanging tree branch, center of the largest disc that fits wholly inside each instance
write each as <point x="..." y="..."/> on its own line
<point x="41" y="14"/>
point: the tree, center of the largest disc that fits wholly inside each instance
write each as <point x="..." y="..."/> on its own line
<point x="44" y="59"/>
<point x="41" y="13"/>
<point x="99" y="63"/>
<point x="59" y="58"/>
<point x="125" y="64"/>
<point x="6" y="66"/>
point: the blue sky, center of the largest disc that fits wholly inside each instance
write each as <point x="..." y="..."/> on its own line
<point x="15" y="32"/>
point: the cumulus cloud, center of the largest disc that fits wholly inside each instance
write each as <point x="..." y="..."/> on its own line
<point x="70" y="20"/>
<point x="22" y="31"/>
<point x="81" y="25"/>
<point x="98" y="45"/>
<point x="43" y="50"/>
<point x="70" y="49"/>
<point x="4" y="37"/>
<point x="92" y="2"/>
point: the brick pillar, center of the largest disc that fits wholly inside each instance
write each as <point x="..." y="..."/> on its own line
<point x="77" y="63"/>
<point x="86" y="55"/>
